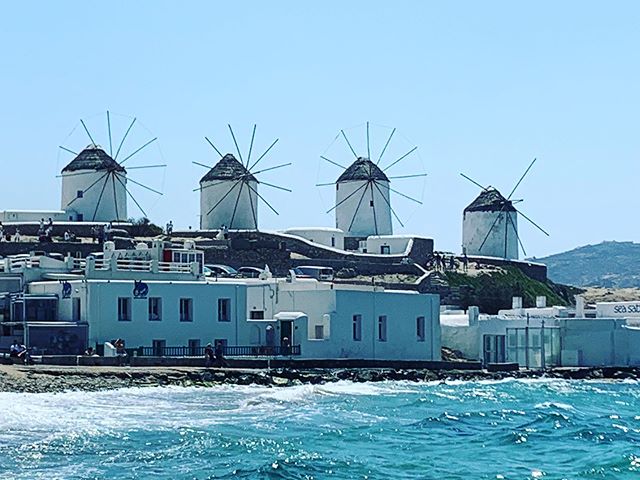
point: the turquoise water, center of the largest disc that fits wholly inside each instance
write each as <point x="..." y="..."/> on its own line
<point x="500" y="430"/>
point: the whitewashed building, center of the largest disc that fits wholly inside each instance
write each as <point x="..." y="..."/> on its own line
<point x="158" y="298"/>
<point x="94" y="187"/>
<point x="363" y="205"/>
<point x="228" y="196"/>
<point x="542" y="337"/>
<point x="490" y="226"/>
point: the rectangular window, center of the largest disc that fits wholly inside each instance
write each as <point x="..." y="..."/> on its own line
<point x="382" y="328"/>
<point x="194" y="347"/>
<point x="224" y="310"/>
<point x="75" y="309"/>
<point x="79" y="194"/>
<point x="155" y="309"/>
<point x="256" y="314"/>
<point x="357" y="328"/>
<point x="124" y="309"/>
<point x="319" y="332"/>
<point x="186" y="310"/>
<point x="420" y="329"/>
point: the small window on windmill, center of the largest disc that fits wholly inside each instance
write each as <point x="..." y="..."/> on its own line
<point x="80" y="193"/>
<point x="371" y="203"/>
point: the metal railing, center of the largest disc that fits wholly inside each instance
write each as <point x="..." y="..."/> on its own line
<point x="228" y="351"/>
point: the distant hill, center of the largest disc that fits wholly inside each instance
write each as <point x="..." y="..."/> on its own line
<point x="608" y="264"/>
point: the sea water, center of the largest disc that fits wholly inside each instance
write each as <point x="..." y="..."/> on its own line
<point x="498" y="430"/>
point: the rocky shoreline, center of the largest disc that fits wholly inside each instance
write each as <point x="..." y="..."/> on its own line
<point x="47" y="379"/>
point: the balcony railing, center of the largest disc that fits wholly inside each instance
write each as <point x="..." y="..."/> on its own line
<point x="228" y="351"/>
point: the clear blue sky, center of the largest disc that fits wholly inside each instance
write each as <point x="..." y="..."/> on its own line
<point x="479" y="87"/>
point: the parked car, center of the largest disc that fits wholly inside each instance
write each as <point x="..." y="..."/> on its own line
<point x="324" y="274"/>
<point x="249" y="272"/>
<point x="220" y="271"/>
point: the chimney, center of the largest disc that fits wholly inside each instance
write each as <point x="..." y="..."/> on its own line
<point x="473" y="313"/>
<point x="541" y="301"/>
<point x="579" y="306"/>
<point x="516" y="303"/>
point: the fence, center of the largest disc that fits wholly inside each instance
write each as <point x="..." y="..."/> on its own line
<point x="228" y="351"/>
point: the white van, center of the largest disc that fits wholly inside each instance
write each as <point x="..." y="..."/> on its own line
<point x="324" y="274"/>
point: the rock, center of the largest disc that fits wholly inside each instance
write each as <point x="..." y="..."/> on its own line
<point x="279" y="381"/>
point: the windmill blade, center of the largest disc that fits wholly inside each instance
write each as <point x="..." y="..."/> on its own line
<point x="521" y="178"/>
<point x="348" y="143"/>
<point x="89" y="187"/>
<point x="253" y="135"/>
<point x="401" y="158"/>
<point x="331" y="161"/>
<point x="515" y="230"/>
<point x="214" y="147"/>
<point x="75" y="174"/>
<point x="346" y="198"/>
<point x="95" y="212"/>
<point x="262" y="198"/>
<point x="109" y="129"/>
<point x="253" y="212"/>
<point x="262" y="182"/>
<point x="389" y="205"/>
<point x="473" y="181"/>
<point x="385" y="146"/>
<point x="533" y="223"/>
<point x="270" y="168"/>
<point x="368" y="148"/>
<point x="115" y="197"/>
<point x="132" y="198"/>
<point x="143" y="146"/>
<point x="147" y="166"/>
<point x="87" y="130"/>
<point x="126" y="134"/>
<point x="493" y="226"/>
<point x="373" y="205"/>
<point x="405" y="196"/>
<point x="67" y="150"/>
<point x="263" y="155"/>
<point x="325" y="184"/>
<point x="141" y="185"/>
<point x="201" y="165"/>
<point x="236" y="143"/>
<point x="409" y="176"/>
<point x="235" y="207"/>
<point x="368" y="184"/>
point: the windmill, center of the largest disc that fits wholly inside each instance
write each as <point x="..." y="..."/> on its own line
<point x="94" y="183"/>
<point x="229" y="190"/>
<point x="363" y="190"/>
<point x="490" y="223"/>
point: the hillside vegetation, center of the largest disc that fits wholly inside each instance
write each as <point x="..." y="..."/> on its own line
<point x="607" y="265"/>
<point x="493" y="291"/>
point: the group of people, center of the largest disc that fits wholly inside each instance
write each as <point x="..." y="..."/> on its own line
<point x="5" y="236"/>
<point x="215" y="356"/>
<point x="18" y="350"/>
<point x="101" y="234"/>
<point x="442" y="262"/>
<point x="45" y="230"/>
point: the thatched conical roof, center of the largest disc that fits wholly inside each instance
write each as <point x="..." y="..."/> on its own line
<point x="93" y="158"/>
<point x="362" y="169"/>
<point x="228" y="168"/>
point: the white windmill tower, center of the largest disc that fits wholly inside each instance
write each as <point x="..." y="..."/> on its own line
<point x="229" y="191"/>
<point x="94" y="183"/>
<point x="363" y="203"/>
<point x="490" y="223"/>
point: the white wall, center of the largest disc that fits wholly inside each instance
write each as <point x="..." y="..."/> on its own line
<point x="86" y="206"/>
<point x="331" y="237"/>
<point x="364" y="223"/>
<point x="396" y="244"/>
<point x="31" y="215"/>
<point x="223" y="213"/>
<point x="476" y="225"/>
